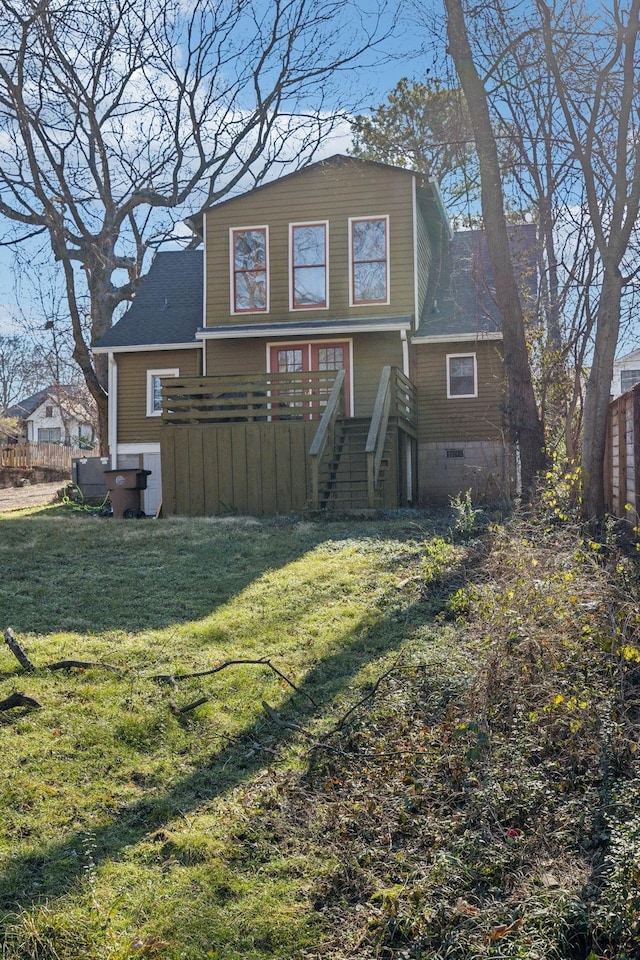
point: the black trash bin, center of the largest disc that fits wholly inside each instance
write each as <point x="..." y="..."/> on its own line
<point x="124" y="488"/>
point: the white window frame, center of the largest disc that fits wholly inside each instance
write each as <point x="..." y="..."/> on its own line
<point x="462" y="396"/>
<point x="312" y="306"/>
<point x="368" y="303"/>
<point x="151" y="376"/>
<point x="232" y="271"/>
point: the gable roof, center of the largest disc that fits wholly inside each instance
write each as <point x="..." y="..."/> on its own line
<point x="428" y="188"/>
<point x="167" y="308"/>
<point x="461" y="296"/>
<point x="628" y="358"/>
<point x="73" y="398"/>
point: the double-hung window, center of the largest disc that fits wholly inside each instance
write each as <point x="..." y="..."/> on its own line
<point x="369" y="260"/>
<point x="462" y="375"/>
<point x="308" y="251"/>
<point x="154" y="389"/>
<point x="250" y="270"/>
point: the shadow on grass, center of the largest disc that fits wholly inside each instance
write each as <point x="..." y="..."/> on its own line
<point x="52" y="873"/>
<point x="79" y="574"/>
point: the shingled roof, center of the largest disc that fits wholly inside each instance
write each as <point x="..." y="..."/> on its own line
<point x="168" y="306"/>
<point x="461" y="297"/>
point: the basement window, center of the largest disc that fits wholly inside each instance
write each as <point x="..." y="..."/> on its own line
<point x="455" y="454"/>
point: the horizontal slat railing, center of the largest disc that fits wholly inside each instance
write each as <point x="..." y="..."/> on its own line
<point x="325" y="434"/>
<point x="54" y="456"/>
<point x="404" y="404"/>
<point x="279" y="396"/>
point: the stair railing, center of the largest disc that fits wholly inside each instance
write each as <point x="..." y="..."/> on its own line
<point x="325" y="435"/>
<point x="377" y="433"/>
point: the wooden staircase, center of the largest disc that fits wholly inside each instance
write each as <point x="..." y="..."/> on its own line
<point x="345" y="487"/>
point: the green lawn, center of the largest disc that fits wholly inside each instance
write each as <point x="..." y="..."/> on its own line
<point x="120" y="818"/>
<point x="429" y="762"/>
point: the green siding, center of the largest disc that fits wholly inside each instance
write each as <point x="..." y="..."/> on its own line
<point x="440" y="418"/>
<point x="134" y="426"/>
<point x="334" y="194"/>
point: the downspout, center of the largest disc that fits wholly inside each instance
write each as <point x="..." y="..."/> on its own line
<point x="408" y="447"/>
<point x="112" y="432"/>
<point x="416" y="296"/>
<point x="204" y="292"/>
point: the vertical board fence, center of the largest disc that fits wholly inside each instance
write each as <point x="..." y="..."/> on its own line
<point x="259" y="469"/>
<point x="51" y="455"/>
<point x="622" y="459"/>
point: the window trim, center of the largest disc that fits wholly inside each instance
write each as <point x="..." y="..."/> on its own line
<point x="308" y="345"/>
<point x="462" y="396"/>
<point x="232" y="271"/>
<point x="311" y="306"/>
<point x="363" y="303"/>
<point x="151" y="375"/>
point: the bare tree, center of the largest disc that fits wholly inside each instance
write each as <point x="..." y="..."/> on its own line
<point x="20" y="370"/>
<point x="523" y="420"/>
<point x="115" y="113"/>
<point x="600" y="101"/>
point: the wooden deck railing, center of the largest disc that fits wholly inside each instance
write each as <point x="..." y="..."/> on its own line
<point x="325" y="435"/>
<point x="396" y="397"/>
<point x="51" y="455"/>
<point x="234" y="399"/>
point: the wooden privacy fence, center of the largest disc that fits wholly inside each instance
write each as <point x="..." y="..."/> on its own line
<point x="51" y="455"/>
<point x="622" y="459"/>
<point x="240" y="444"/>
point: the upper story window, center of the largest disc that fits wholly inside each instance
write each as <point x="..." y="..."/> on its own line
<point x="48" y="412"/>
<point x="154" y="389"/>
<point x="249" y="268"/>
<point x="308" y="246"/>
<point x="462" y="375"/>
<point x="369" y="260"/>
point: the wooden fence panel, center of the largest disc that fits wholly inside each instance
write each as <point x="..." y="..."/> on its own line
<point x="255" y="468"/>
<point x="622" y="460"/>
<point x="51" y="455"/>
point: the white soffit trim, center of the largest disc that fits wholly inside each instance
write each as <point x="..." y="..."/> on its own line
<point x="293" y="330"/>
<point x="147" y="347"/>
<point x="456" y="338"/>
<point x="138" y="448"/>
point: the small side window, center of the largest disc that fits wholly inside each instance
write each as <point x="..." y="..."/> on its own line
<point x="154" y="389"/>
<point x="462" y="375"/>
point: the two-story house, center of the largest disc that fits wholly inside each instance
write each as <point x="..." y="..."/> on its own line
<point x="332" y="344"/>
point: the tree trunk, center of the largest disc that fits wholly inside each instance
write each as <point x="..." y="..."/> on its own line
<point x="596" y="408"/>
<point x="525" y="427"/>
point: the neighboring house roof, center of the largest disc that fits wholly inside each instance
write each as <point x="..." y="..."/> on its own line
<point x="24" y="408"/>
<point x="461" y="297"/>
<point x="73" y="399"/>
<point x="167" y="308"/>
<point x="632" y="357"/>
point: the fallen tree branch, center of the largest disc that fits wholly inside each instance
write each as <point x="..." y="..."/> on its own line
<point x="173" y="678"/>
<point x="81" y="665"/>
<point x="178" y="711"/>
<point x="17" y="651"/>
<point x="19" y="700"/>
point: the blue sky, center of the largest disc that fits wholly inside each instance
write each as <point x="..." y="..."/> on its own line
<point x="397" y="57"/>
